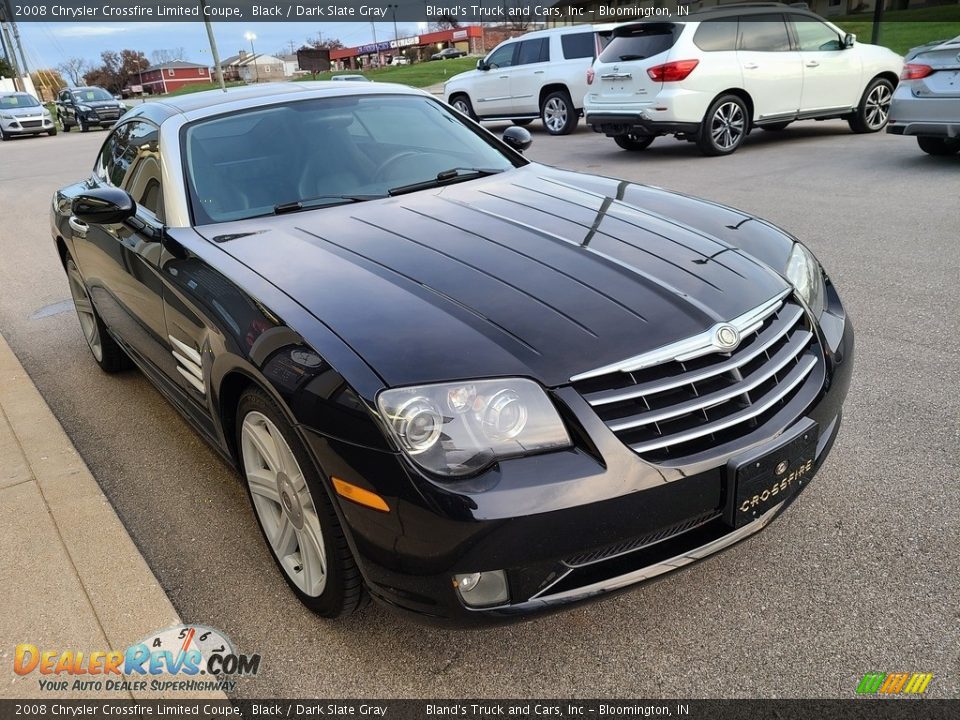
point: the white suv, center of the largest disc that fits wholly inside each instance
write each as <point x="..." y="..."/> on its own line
<point x="540" y="74"/>
<point x="717" y="75"/>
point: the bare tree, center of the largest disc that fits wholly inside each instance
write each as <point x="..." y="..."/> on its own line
<point x="447" y="23"/>
<point x="74" y="68"/>
<point x="165" y="55"/>
<point x="324" y="43"/>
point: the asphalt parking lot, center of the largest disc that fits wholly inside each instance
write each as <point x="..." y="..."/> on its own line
<point x="860" y="575"/>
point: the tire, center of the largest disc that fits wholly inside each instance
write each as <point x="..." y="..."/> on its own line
<point x="775" y="127"/>
<point x="64" y="125"/>
<point x="53" y="132"/>
<point x="108" y="354"/>
<point x="635" y="143"/>
<point x="3" y="135"/>
<point x="874" y="108"/>
<point x="558" y="114"/>
<point x="84" y="127"/>
<point x="724" y="126"/>
<point x="462" y="104"/>
<point x="524" y="122"/>
<point x="938" y="145"/>
<point x="294" y="511"/>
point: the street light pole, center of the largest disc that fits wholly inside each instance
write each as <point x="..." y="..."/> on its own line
<point x="213" y="45"/>
<point x="251" y="37"/>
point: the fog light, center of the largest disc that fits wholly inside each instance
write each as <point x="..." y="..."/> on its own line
<point x="482" y="589"/>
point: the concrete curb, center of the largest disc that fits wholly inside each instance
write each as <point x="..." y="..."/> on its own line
<point x="62" y="537"/>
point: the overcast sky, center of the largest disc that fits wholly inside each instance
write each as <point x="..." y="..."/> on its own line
<point x="48" y="44"/>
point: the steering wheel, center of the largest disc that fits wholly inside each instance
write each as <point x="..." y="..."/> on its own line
<point x="382" y="168"/>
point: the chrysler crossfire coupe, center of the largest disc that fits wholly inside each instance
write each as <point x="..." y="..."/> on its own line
<point x="468" y="385"/>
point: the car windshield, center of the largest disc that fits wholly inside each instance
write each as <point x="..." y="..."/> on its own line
<point x="19" y="100"/>
<point x="91" y="95"/>
<point x="328" y="151"/>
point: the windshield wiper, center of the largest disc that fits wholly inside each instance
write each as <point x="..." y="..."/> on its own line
<point x="624" y="58"/>
<point x="320" y="200"/>
<point x="445" y="177"/>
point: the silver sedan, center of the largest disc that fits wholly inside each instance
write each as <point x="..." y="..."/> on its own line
<point x="926" y="104"/>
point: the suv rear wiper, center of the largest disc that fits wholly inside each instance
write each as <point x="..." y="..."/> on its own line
<point x="318" y="200"/>
<point x="624" y="58"/>
<point x="445" y="177"/>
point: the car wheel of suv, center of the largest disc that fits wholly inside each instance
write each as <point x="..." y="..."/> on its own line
<point x="634" y="142"/>
<point x="52" y="132"/>
<point x="3" y="135"/>
<point x="294" y="511"/>
<point x="461" y="103"/>
<point x="775" y="127"/>
<point x="109" y="355"/>
<point x="939" y="146"/>
<point x="84" y="127"/>
<point x="62" y="122"/>
<point x="558" y="114"/>
<point x="524" y="122"/>
<point x="871" y="115"/>
<point x="724" y="126"/>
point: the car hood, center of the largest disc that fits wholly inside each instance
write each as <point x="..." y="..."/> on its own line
<point x="24" y="111"/>
<point x="534" y="272"/>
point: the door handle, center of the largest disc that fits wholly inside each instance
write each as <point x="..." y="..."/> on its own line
<point x="504" y="77"/>
<point x="813" y="63"/>
<point x="538" y="72"/>
<point x="78" y="226"/>
<point x="750" y="66"/>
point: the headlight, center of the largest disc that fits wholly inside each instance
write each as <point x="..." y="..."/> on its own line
<point x="804" y="272"/>
<point x="460" y="428"/>
<point x="84" y="108"/>
<point x="4" y="116"/>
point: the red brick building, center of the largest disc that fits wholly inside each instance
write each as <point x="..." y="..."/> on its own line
<point x="170" y="76"/>
<point x="470" y="39"/>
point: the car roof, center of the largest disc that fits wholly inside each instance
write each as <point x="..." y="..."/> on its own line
<point x="719" y="12"/>
<point x="556" y="31"/>
<point x="210" y="101"/>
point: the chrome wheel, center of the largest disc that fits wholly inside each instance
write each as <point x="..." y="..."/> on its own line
<point x="460" y="105"/>
<point x="555" y="114"/>
<point x="283" y="503"/>
<point x="877" y="106"/>
<point x="727" y="126"/>
<point x="88" y="319"/>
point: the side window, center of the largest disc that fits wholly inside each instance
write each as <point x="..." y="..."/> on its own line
<point x="815" y="36"/>
<point x="112" y="164"/>
<point x="502" y="57"/>
<point x="764" y="33"/>
<point x="142" y="178"/>
<point x="578" y="45"/>
<point x="716" y="35"/>
<point x="534" y="51"/>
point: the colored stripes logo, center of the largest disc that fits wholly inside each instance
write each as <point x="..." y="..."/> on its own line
<point x="894" y="683"/>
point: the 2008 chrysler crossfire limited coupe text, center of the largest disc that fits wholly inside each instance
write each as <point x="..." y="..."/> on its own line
<point x="472" y="386"/>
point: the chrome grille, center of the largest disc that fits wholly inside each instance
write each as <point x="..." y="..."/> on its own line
<point x="696" y="399"/>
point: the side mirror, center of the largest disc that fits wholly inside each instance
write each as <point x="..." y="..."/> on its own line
<point x="848" y="40"/>
<point x="481" y="65"/>
<point x="518" y="138"/>
<point x="104" y="206"/>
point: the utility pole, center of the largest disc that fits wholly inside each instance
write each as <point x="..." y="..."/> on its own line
<point x="877" y="17"/>
<point x="213" y="45"/>
<point x="376" y="45"/>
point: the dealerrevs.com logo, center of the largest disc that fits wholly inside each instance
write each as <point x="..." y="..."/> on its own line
<point x="178" y="658"/>
<point x="903" y="683"/>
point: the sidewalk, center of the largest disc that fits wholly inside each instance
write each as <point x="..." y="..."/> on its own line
<point x="70" y="576"/>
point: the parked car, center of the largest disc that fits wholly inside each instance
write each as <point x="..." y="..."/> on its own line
<point x="87" y="107"/>
<point x="730" y="69"/>
<point x="350" y="78"/>
<point x="22" y="114"/>
<point x="476" y="386"/>
<point x="540" y="74"/>
<point x="448" y="53"/>
<point x="398" y="60"/>
<point x="926" y="104"/>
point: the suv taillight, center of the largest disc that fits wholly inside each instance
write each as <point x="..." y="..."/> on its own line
<point x="915" y="72"/>
<point x="672" y="71"/>
<point x="590" y="75"/>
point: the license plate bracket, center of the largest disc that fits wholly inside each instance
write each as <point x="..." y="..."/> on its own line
<point x="766" y="476"/>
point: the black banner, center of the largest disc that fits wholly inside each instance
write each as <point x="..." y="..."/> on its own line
<point x="853" y="709"/>
<point x="446" y="11"/>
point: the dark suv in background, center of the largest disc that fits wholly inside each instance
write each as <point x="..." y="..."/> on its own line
<point x="87" y="107"/>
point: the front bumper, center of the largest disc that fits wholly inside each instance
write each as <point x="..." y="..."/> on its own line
<point x="27" y="126"/>
<point x="565" y="527"/>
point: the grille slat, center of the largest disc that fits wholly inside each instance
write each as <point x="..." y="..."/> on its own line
<point x="681" y="406"/>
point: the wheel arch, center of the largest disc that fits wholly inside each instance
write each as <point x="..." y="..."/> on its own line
<point x="740" y="93"/>
<point x="552" y="88"/>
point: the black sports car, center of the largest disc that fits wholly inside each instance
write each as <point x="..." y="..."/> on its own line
<point x="473" y="386"/>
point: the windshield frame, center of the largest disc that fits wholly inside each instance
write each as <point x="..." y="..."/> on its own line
<point x="514" y="157"/>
